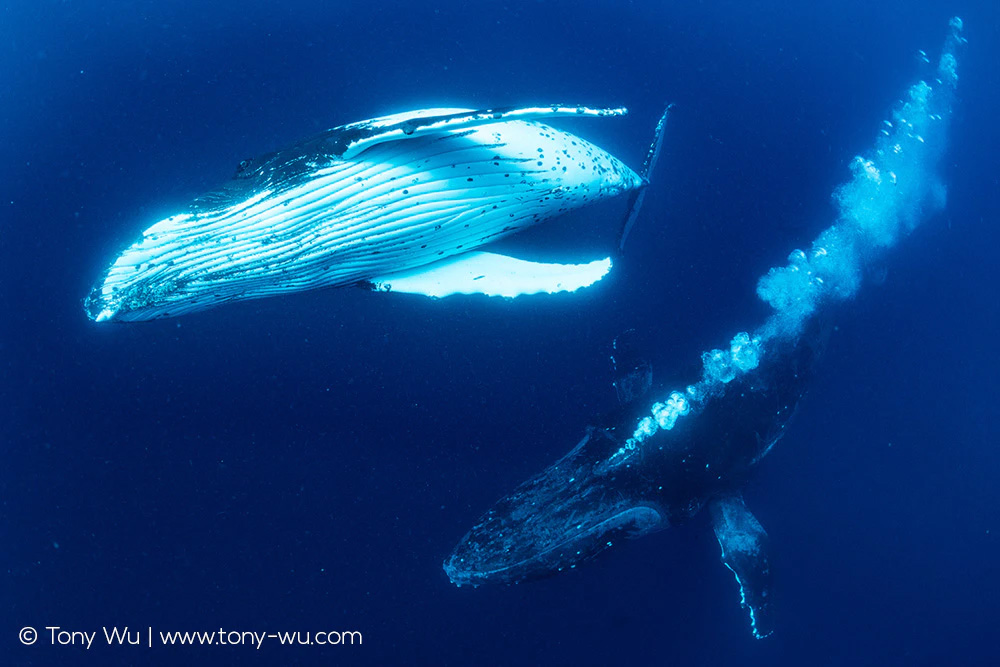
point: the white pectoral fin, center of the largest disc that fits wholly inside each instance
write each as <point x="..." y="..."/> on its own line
<point x="357" y="137"/>
<point x="493" y="275"/>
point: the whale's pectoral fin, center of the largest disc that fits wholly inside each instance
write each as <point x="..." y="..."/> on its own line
<point x="745" y="548"/>
<point x="493" y="275"/>
<point x="353" y="139"/>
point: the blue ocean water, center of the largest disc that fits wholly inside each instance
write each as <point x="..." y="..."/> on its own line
<point x="306" y="463"/>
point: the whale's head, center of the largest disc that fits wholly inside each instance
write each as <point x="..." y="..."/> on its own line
<point x="146" y="281"/>
<point x="568" y="514"/>
<point x="131" y="300"/>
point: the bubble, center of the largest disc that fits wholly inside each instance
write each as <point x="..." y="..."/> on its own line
<point x="745" y="352"/>
<point x="887" y="195"/>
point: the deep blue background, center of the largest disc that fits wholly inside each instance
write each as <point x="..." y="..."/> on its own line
<point x="306" y="463"/>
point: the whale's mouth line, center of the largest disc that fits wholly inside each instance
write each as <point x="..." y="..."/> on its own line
<point x="539" y="555"/>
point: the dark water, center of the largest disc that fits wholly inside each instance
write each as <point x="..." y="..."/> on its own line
<point x="306" y="463"/>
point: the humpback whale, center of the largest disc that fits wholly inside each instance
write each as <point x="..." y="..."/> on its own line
<point x="665" y="455"/>
<point x="401" y="202"/>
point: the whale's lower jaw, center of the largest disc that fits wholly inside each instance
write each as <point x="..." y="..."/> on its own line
<point x="396" y="207"/>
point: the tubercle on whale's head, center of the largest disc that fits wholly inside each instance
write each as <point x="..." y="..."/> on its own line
<point x="560" y="518"/>
<point x="100" y="303"/>
<point x="139" y="300"/>
<point x="98" y="309"/>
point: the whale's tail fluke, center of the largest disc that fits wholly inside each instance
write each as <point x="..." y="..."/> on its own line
<point x="638" y="195"/>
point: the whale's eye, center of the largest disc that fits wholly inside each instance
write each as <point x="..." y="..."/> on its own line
<point x="243" y="168"/>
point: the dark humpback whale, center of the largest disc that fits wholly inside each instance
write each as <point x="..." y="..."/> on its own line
<point x="595" y="496"/>
<point x="401" y="203"/>
<point x="665" y="455"/>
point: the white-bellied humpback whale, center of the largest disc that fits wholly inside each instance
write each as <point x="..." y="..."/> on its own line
<point x="665" y="455"/>
<point x="401" y="203"/>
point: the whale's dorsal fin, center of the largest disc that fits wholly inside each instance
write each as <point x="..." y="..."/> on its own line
<point x="745" y="551"/>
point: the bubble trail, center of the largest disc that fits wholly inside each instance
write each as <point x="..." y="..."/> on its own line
<point x="887" y="196"/>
